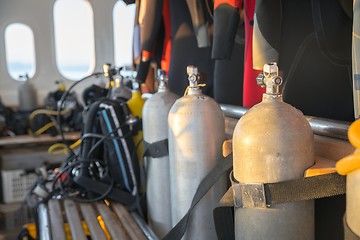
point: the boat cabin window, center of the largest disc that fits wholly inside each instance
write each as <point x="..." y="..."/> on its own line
<point x="123" y="19"/>
<point x="74" y="38"/>
<point x="20" y="51"/>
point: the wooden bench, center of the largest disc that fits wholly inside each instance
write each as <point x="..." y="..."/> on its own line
<point x="59" y="219"/>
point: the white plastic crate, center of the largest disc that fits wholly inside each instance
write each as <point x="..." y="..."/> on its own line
<point x="16" y="185"/>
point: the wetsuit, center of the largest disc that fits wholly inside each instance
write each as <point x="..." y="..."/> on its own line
<point x="311" y="41"/>
<point x="185" y="50"/>
<point x="228" y="52"/>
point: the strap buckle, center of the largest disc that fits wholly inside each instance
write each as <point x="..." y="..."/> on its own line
<point x="249" y="195"/>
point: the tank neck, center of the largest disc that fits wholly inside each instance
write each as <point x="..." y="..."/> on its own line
<point x="194" y="91"/>
<point x="267" y="96"/>
<point x="163" y="89"/>
<point x="136" y="93"/>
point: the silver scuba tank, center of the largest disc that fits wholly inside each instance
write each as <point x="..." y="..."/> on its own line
<point x="355" y="56"/>
<point x="353" y="201"/>
<point x="155" y="128"/>
<point x="27" y="95"/>
<point x="353" y="178"/>
<point x="273" y="142"/>
<point x="196" y="134"/>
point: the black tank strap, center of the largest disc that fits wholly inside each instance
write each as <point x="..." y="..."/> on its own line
<point x="156" y="149"/>
<point x="224" y="165"/>
<point x="307" y="188"/>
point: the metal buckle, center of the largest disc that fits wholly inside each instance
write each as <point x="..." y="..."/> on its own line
<point x="249" y="195"/>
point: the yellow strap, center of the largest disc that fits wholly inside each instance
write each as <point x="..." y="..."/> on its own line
<point x="61" y="148"/>
<point x="47" y="112"/>
<point x="43" y="128"/>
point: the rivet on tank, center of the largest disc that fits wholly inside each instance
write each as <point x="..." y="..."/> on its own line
<point x="196" y="134"/>
<point x="273" y="142"/>
<point x="155" y="131"/>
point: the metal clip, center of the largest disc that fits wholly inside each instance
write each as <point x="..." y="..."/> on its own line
<point x="250" y="195"/>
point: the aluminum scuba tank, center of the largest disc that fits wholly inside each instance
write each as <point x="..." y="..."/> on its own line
<point x="350" y="166"/>
<point x="273" y="142"/>
<point x="27" y="95"/>
<point x="155" y="128"/>
<point x="353" y="201"/>
<point x="136" y="104"/>
<point x="196" y="134"/>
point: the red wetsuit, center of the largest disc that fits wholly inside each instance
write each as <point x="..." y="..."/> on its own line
<point x="252" y="92"/>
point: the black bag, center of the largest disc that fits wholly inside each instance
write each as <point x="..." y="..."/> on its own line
<point x="108" y="154"/>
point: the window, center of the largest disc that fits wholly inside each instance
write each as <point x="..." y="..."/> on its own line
<point x="74" y="38"/>
<point x="123" y="17"/>
<point x="20" y="51"/>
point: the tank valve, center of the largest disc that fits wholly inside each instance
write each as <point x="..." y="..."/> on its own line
<point x="193" y="76"/>
<point x="106" y="68"/>
<point x="162" y="79"/>
<point x="270" y="79"/>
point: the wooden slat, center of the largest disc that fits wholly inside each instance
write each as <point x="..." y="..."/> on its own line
<point x="227" y="148"/>
<point x="113" y="227"/>
<point x="90" y="217"/>
<point x="56" y="220"/>
<point x="128" y="222"/>
<point x="44" y="138"/>
<point x="73" y="218"/>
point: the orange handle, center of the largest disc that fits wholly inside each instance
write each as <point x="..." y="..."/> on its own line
<point x="351" y="162"/>
<point x="348" y="164"/>
<point x="354" y="134"/>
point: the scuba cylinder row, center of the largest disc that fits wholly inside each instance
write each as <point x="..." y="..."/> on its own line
<point x="155" y="128"/>
<point x="196" y="133"/>
<point x="273" y="142"/>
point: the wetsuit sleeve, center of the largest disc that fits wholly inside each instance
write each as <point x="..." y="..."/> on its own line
<point x="226" y="20"/>
<point x="150" y="22"/>
<point x="267" y="32"/>
<point x="199" y="23"/>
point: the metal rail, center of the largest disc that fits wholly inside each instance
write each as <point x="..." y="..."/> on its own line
<point x="144" y="227"/>
<point x="44" y="223"/>
<point x="320" y="126"/>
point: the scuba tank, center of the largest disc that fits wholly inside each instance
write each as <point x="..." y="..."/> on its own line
<point x="350" y="166"/>
<point x="272" y="142"/>
<point x="27" y="95"/>
<point x="196" y="134"/>
<point x="135" y="104"/>
<point x="353" y="201"/>
<point x="155" y="127"/>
